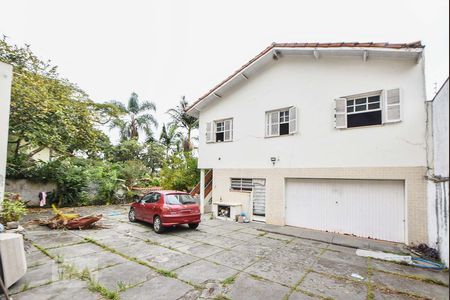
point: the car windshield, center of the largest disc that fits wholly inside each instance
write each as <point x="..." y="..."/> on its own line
<point x="178" y="199"/>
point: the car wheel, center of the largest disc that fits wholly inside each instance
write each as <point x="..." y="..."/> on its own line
<point x="132" y="215"/>
<point x="157" y="225"/>
<point x="193" y="225"/>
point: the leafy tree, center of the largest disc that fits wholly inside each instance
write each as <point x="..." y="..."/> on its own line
<point x="153" y="156"/>
<point x="182" y="172"/>
<point x="171" y="138"/>
<point x="48" y="111"/>
<point x="137" y="118"/>
<point x="183" y="120"/>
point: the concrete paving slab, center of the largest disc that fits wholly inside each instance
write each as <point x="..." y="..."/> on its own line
<point x="339" y="268"/>
<point x="138" y="250"/>
<point x="410" y="270"/>
<point x="125" y="241"/>
<point x="74" y="250"/>
<point x="167" y="259"/>
<point x="415" y="287"/>
<point x="222" y="241"/>
<point x="249" y="288"/>
<point x="95" y="261"/>
<point x="388" y="295"/>
<point x="231" y="226"/>
<point x="213" y="222"/>
<point x="285" y="272"/>
<point x="302" y="296"/>
<point x="234" y="259"/>
<point x="242" y="236"/>
<point x="202" y="271"/>
<point x="131" y="227"/>
<point x="202" y="250"/>
<point x="159" y="288"/>
<point x="262" y="240"/>
<point x="175" y="242"/>
<point x="250" y="230"/>
<point x="343" y="257"/>
<point x="128" y="274"/>
<point x="255" y="249"/>
<point x="54" y="239"/>
<point x="37" y="258"/>
<point x="64" y="289"/>
<point x="328" y="287"/>
<point x="37" y="276"/>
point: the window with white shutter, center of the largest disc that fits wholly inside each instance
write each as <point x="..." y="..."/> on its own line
<point x="340" y="113"/>
<point x="281" y="122"/>
<point x="392" y="106"/>
<point x="219" y="131"/>
<point x="228" y="130"/>
<point x="209" y="132"/>
<point x="293" y="120"/>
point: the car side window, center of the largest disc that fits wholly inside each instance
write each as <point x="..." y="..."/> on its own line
<point x="147" y="198"/>
<point x="156" y="197"/>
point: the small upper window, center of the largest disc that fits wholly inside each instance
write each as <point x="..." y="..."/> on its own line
<point x="281" y="122"/>
<point x="219" y="131"/>
<point x="374" y="108"/>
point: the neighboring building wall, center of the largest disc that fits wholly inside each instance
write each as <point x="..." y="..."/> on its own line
<point x="312" y="85"/>
<point x="439" y="173"/>
<point x="5" y="97"/>
<point x="415" y="186"/>
<point x="28" y="190"/>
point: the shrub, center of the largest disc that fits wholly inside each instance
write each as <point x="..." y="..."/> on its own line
<point x="13" y="209"/>
<point x="181" y="174"/>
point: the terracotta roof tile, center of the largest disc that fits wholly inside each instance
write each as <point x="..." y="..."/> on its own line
<point x="413" y="45"/>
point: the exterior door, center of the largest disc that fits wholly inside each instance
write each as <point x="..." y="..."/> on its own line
<point x="150" y="206"/>
<point x="140" y="211"/>
<point x="365" y="208"/>
<point x="259" y="199"/>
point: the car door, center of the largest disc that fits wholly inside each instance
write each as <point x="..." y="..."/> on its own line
<point x="150" y="207"/>
<point x="140" y="208"/>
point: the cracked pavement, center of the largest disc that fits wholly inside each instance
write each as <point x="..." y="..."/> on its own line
<point x="219" y="260"/>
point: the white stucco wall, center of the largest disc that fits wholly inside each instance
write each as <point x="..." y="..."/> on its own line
<point x="312" y="85"/>
<point x="5" y="97"/>
<point x="438" y="185"/>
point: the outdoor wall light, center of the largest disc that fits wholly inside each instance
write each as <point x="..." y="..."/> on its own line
<point x="273" y="160"/>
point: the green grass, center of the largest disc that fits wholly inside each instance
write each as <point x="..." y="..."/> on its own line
<point x="96" y="287"/>
<point x="418" y="278"/>
<point x="221" y="297"/>
<point x="69" y="271"/>
<point x="229" y="280"/>
<point x="370" y="294"/>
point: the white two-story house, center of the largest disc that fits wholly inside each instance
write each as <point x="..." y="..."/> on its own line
<point x="326" y="136"/>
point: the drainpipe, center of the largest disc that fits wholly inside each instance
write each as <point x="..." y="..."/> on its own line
<point x="202" y="191"/>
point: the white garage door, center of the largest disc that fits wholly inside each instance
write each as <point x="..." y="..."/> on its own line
<point x="365" y="208"/>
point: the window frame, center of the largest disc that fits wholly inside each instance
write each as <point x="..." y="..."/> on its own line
<point x="366" y="96"/>
<point x="223" y="121"/>
<point x="241" y="188"/>
<point x="286" y="120"/>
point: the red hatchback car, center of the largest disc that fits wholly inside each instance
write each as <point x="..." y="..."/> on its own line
<point x="166" y="208"/>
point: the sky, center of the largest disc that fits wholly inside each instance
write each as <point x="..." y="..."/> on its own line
<point x="165" y="49"/>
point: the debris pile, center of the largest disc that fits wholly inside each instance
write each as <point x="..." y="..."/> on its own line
<point x="69" y="221"/>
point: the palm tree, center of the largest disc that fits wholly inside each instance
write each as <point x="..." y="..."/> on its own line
<point x="137" y="118"/>
<point x="170" y="138"/>
<point x="183" y="120"/>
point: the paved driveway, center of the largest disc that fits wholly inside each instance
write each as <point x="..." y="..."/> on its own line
<point x="220" y="260"/>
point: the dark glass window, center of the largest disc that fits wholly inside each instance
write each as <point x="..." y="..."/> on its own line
<point x="364" y="111"/>
<point x="364" y="119"/>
